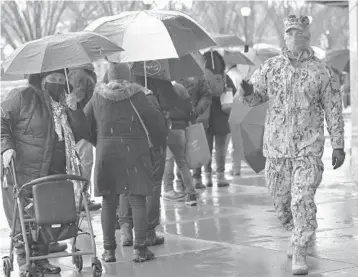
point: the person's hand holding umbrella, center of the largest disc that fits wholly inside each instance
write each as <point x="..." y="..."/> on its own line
<point x="71" y="101"/>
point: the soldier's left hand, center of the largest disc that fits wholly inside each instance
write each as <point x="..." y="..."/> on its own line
<point x="338" y="157"/>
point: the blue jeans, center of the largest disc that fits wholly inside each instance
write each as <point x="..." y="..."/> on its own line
<point x="176" y="152"/>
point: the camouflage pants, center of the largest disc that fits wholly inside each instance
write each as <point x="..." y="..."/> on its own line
<point x="293" y="184"/>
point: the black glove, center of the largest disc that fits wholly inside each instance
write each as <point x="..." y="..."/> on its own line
<point x="338" y="157"/>
<point x="248" y="88"/>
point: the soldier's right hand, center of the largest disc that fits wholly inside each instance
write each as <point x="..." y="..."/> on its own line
<point x="7" y="156"/>
<point x="247" y="88"/>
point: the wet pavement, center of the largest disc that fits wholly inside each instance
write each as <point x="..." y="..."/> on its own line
<point x="234" y="232"/>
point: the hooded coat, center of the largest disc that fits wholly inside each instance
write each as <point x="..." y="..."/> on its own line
<point x="27" y="126"/>
<point x="299" y="97"/>
<point x="83" y="79"/>
<point x="123" y="162"/>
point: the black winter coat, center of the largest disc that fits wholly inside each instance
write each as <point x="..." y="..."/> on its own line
<point x="219" y="120"/>
<point x="27" y="126"/>
<point x="123" y="162"/>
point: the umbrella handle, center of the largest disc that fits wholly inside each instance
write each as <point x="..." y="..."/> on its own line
<point x="68" y="85"/>
<point x="145" y="73"/>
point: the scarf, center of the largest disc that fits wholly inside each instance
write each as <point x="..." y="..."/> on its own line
<point x="64" y="132"/>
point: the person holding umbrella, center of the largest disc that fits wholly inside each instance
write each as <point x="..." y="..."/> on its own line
<point x="301" y="90"/>
<point x="83" y="80"/>
<point x="39" y="127"/>
<point x="129" y="127"/>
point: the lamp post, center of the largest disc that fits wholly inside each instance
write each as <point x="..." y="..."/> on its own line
<point x="245" y="12"/>
<point x="147" y="4"/>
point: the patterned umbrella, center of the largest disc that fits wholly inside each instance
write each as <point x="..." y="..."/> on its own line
<point x="153" y="35"/>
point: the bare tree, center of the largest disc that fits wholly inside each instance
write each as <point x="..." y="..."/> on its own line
<point x="38" y="19"/>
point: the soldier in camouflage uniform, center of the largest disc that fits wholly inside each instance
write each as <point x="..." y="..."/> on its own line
<point x="300" y="90"/>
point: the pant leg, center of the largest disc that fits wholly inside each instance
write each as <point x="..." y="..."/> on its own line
<point x="210" y="138"/>
<point x="168" y="176"/>
<point x="176" y="144"/>
<point x="278" y="174"/>
<point x="153" y="202"/>
<point x="140" y="217"/>
<point x="108" y="220"/>
<point x="221" y="145"/>
<point x="125" y="210"/>
<point x="307" y="176"/>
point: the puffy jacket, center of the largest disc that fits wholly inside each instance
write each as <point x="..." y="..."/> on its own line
<point x="299" y="97"/>
<point x="27" y="127"/>
<point x="180" y="115"/>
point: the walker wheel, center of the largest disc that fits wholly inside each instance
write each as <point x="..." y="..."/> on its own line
<point x="7" y="266"/>
<point x="78" y="262"/>
<point x="97" y="271"/>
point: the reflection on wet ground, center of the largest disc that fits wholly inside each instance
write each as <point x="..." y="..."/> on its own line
<point x="234" y="232"/>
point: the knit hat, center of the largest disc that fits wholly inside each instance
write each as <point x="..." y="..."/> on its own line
<point x="119" y="71"/>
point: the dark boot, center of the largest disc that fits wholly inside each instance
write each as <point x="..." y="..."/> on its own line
<point x="153" y="239"/>
<point x="199" y="184"/>
<point x="222" y="181"/>
<point x="43" y="265"/>
<point x="141" y="253"/>
<point x="126" y="235"/>
<point x="109" y="256"/>
<point x="57" y="247"/>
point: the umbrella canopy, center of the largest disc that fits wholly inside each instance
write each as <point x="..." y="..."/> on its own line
<point x="58" y="51"/>
<point x="234" y="57"/>
<point x="153" y="35"/>
<point x="172" y="69"/>
<point x="10" y="77"/>
<point x="225" y="41"/>
<point x="247" y="129"/>
<point x="339" y="59"/>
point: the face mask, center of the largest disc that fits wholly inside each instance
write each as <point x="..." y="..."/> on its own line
<point x="296" y="42"/>
<point x="54" y="84"/>
<point x="55" y="90"/>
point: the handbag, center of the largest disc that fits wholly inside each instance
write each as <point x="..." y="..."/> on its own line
<point x="196" y="147"/>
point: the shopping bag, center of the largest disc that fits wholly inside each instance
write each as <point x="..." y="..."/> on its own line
<point x="197" y="147"/>
<point x="226" y="100"/>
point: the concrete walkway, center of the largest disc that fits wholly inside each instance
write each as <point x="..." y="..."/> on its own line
<point x="234" y="232"/>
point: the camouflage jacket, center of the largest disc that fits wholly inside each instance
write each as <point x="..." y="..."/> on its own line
<point x="299" y="97"/>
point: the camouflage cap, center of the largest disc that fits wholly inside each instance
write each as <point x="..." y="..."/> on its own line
<point x="297" y="22"/>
